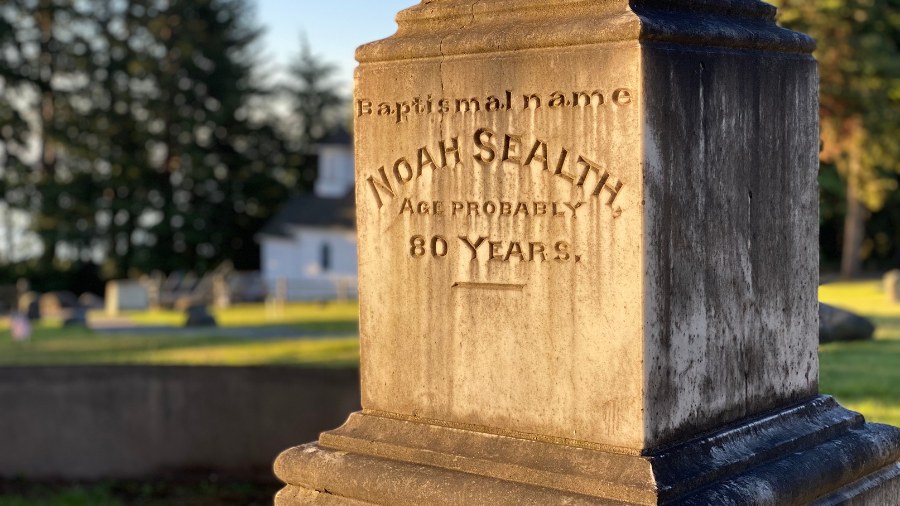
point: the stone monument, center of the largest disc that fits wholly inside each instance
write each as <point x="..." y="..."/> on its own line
<point x="588" y="266"/>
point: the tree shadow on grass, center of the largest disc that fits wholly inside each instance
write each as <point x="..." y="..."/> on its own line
<point x="84" y="347"/>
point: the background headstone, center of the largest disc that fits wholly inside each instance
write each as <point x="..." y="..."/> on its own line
<point x="58" y="305"/>
<point x="837" y="324"/>
<point x="125" y="295"/>
<point x="198" y="315"/>
<point x="891" y="285"/>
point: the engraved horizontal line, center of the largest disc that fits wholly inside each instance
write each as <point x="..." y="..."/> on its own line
<point x="509" y="287"/>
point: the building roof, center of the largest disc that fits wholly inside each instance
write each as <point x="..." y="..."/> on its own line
<point x="340" y="136"/>
<point x="312" y="211"/>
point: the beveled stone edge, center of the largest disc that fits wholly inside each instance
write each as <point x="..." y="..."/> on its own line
<point x="525" y="461"/>
<point x="350" y="479"/>
<point x="801" y="477"/>
<point x="694" y="463"/>
<point x="864" y="487"/>
<point x="760" y="451"/>
<point x="442" y="29"/>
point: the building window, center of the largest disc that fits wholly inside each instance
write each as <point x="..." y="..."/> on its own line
<point x="325" y="256"/>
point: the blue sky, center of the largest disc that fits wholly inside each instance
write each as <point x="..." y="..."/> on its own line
<point x="334" y="28"/>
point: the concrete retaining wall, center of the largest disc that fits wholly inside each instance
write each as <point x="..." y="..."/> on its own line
<point x="138" y="422"/>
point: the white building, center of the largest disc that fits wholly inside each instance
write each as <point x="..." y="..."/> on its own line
<point x="308" y="250"/>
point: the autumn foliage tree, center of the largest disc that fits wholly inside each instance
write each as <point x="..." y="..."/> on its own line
<point x="859" y="63"/>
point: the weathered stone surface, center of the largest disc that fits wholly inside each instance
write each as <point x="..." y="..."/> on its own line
<point x="607" y="252"/>
<point x="790" y="457"/>
<point x="588" y="264"/>
<point x="837" y="324"/>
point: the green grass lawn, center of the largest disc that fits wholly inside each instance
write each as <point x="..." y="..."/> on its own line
<point x="194" y="491"/>
<point x="256" y="314"/>
<point x="864" y="376"/>
<point x="334" y="327"/>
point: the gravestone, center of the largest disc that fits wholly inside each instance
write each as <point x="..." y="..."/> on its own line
<point x="58" y="305"/>
<point x="588" y="266"/>
<point x="125" y="295"/>
<point x="198" y="315"/>
<point x="891" y="284"/>
<point x="837" y="324"/>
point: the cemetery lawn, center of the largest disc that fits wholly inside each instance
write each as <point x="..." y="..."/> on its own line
<point x="864" y="376"/>
<point x="196" y="491"/>
<point x="312" y="335"/>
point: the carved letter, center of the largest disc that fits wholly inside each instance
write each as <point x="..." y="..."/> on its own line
<point x="614" y="190"/>
<point x="557" y="99"/>
<point x="532" y="100"/>
<point x="494" y="250"/>
<point x="384" y="185"/>
<point x="535" y="248"/>
<point x="561" y="164"/>
<point x="562" y="250"/>
<point x="515" y="250"/>
<point x="469" y="105"/>
<point x="512" y="149"/>
<point x="425" y="160"/>
<point x="407" y="204"/>
<point x="574" y="208"/>
<point x="473" y="247"/>
<point x="622" y="97"/>
<point x="485" y="145"/>
<point x="403" y="162"/>
<point x="403" y="109"/>
<point x="453" y="149"/>
<point x="578" y="96"/>
<point x="590" y="166"/>
<point x="363" y="107"/>
<point x="541" y="157"/>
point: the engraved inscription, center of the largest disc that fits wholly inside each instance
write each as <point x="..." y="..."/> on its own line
<point x="484" y="248"/>
<point x="491" y="150"/>
<point x="400" y="111"/>
<point x="490" y="208"/>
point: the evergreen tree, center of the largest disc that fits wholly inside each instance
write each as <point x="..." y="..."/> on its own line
<point x="221" y="174"/>
<point x="45" y="69"/>
<point x="150" y="152"/>
<point x="318" y="108"/>
<point x="14" y="133"/>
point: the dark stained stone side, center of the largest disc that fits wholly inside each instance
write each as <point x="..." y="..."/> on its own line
<point x="731" y="224"/>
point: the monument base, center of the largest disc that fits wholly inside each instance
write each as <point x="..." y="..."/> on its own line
<point x="816" y="452"/>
